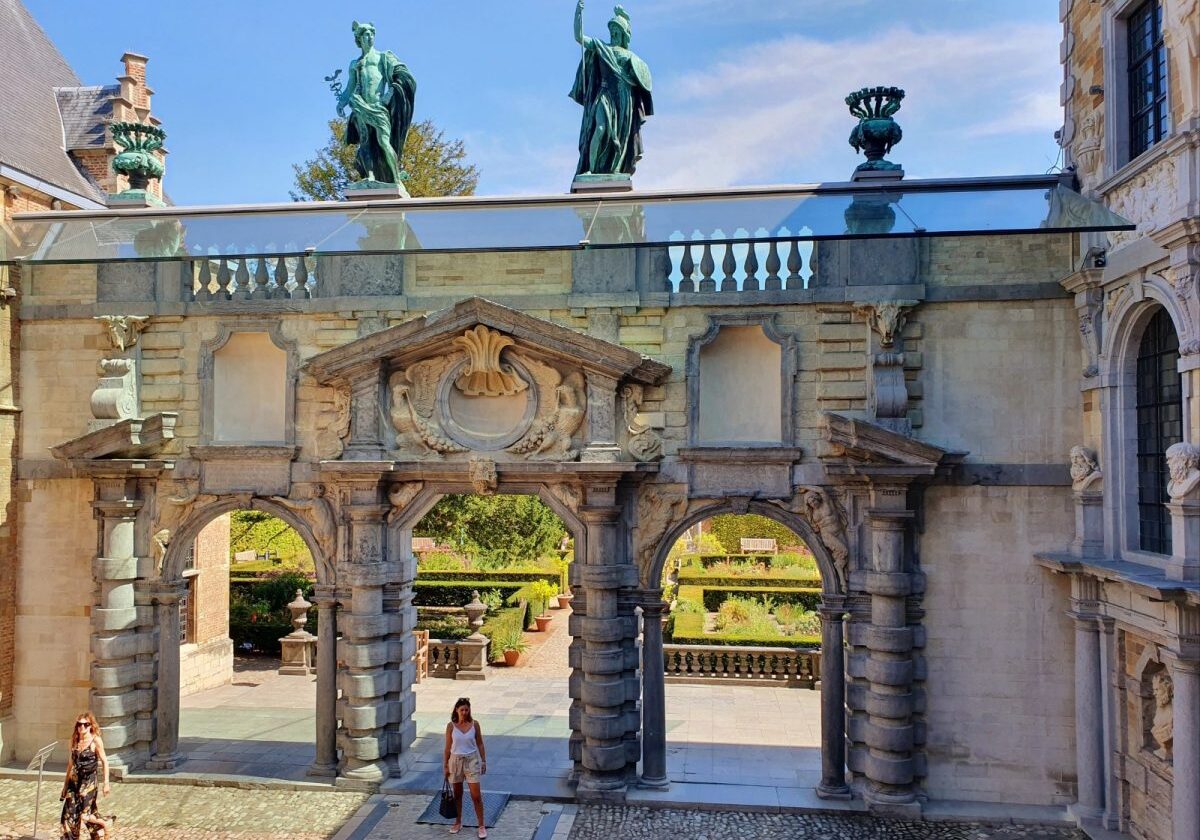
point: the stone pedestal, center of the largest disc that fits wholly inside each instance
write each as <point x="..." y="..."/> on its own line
<point x="299" y="646"/>
<point x="472" y="657"/>
<point x="1089" y="523"/>
<point x="592" y="183"/>
<point x="1185" y="537"/>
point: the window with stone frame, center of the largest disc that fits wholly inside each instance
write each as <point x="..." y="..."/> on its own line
<point x="1159" y="425"/>
<point x="1147" y="69"/>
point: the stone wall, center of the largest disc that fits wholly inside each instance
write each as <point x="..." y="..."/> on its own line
<point x="206" y="661"/>
<point x="1000" y="686"/>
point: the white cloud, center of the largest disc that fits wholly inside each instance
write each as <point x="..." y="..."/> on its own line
<point x="773" y="111"/>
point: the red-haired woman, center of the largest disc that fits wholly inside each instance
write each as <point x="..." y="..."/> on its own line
<point x="465" y="760"/>
<point x="80" y="791"/>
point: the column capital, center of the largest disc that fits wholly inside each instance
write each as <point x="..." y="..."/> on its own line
<point x="1181" y="662"/>
<point x="169" y="594"/>
<point x="324" y="597"/>
<point x="120" y="508"/>
<point x="890" y="520"/>
<point x="652" y="603"/>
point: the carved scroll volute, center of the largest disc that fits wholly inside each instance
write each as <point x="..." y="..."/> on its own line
<point x="644" y="443"/>
<point x="333" y="425"/>
<point x="485" y="375"/>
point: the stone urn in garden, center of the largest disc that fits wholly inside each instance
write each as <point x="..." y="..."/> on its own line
<point x="876" y="132"/>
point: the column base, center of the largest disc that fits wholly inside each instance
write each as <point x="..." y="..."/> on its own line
<point x="322" y="771"/>
<point x="604" y="789"/>
<point x="654" y="783"/>
<point x="905" y="806"/>
<point x="1085" y="816"/>
<point x="841" y="792"/>
<point x="165" y="762"/>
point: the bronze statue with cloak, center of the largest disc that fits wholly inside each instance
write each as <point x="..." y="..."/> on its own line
<point x="379" y="92"/>
<point x="613" y="86"/>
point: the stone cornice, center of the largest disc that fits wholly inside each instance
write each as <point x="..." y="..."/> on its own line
<point x="1145" y="580"/>
<point x="861" y="448"/>
<point x="132" y="438"/>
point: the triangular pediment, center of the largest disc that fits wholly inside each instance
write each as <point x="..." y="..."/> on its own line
<point x="860" y="447"/>
<point x="436" y="333"/>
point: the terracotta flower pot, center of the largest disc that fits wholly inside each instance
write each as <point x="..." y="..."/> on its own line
<point x="543" y="621"/>
<point x="511" y="657"/>
<point x="564" y="600"/>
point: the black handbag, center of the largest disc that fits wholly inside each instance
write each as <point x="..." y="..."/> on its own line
<point x="447" y="806"/>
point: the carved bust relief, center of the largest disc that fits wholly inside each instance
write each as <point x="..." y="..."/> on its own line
<point x="486" y="395"/>
<point x="1158" y="714"/>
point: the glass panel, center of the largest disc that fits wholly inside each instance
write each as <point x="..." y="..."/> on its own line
<point x="1038" y="204"/>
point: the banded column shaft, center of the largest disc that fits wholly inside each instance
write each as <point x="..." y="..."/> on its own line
<point x="602" y="690"/>
<point x="833" y="701"/>
<point x="122" y="666"/>
<point x="654" y="697"/>
<point x="889" y="765"/>
<point x="1109" y="675"/>
<point x="377" y="672"/>
<point x="166" y="744"/>
<point x="1185" y="799"/>
<point x="575" y="660"/>
<point x="326" y="759"/>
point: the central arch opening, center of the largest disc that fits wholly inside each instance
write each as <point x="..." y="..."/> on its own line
<point x="515" y="553"/>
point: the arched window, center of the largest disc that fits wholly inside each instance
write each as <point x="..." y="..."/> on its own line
<point x="1159" y="425"/>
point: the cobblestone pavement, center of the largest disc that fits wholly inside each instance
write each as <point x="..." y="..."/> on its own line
<point x="168" y="812"/>
<point x="608" y="822"/>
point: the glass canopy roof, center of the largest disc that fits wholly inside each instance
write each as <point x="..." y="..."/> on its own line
<point x="833" y="211"/>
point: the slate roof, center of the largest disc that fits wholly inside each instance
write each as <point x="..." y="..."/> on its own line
<point x="31" y="129"/>
<point x="84" y="111"/>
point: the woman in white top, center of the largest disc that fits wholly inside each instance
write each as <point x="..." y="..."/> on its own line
<point x="465" y="759"/>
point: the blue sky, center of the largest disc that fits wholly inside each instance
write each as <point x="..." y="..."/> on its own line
<point x="746" y="91"/>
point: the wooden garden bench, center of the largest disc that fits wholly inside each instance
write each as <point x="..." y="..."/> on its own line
<point x="750" y="544"/>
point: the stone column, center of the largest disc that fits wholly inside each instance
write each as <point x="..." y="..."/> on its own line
<point x="379" y="674"/>
<point x="166" y="746"/>
<point x="833" y="701"/>
<point x="602" y="689"/>
<point x="890" y="767"/>
<point x="1089" y="717"/>
<point x="122" y="657"/>
<point x="602" y="443"/>
<point x="326" y="761"/>
<point x="1185" y="798"/>
<point x="654" y="697"/>
<point x="1110" y="675"/>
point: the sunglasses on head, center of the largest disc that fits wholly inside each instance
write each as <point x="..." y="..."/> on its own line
<point x="463" y="701"/>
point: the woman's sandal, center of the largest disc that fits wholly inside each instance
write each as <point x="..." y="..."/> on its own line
<point x="482" y="833"/>
<point x="454" y="829"/>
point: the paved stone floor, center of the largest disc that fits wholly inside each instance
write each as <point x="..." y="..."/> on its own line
<point x="167" y="812"/>
<point x="631" y="823"/>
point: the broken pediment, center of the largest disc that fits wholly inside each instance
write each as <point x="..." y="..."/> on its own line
<point x="482" y="378"/>
<point x="130" y="438"/>
<point x="859" y="447"/>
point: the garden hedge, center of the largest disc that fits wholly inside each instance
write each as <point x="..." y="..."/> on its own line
<point x="452" y="593"/>
<point x="688" y="629"/>
<point x="493" y="577"/>
<point x="809" y="599"/>
<point x="735" y="582"/>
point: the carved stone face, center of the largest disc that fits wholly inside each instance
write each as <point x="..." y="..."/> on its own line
<point x="1162" y="688"/>
<point x="1181" y="460"/>
<point x="1082" y="464"/>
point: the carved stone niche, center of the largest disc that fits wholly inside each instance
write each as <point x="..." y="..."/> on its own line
<point x="481" y="378"/>
<point x="1157" y="697"/>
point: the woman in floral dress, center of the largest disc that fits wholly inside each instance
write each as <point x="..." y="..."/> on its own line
<point x="80" y="792"/>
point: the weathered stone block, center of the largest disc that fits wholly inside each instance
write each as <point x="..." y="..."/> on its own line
<point x="603" y="727"/>
<point x="890" y="671"/>
<point x="371" y="716"/>
<point x="896" y="739"/>
<point x="892" y="771"/>
<point x="606" y="692"/>
<point x="363" y="654"/>
<point x="890" y="639"/>
<point x="603" y="661"/>
<point x="603" y="759"/>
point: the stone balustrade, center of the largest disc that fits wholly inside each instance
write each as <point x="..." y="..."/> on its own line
<point x="443" y="658"/>
<point x="775" y="666"/>
<point x="251" y="278"/>
<point x="742" y="267"/>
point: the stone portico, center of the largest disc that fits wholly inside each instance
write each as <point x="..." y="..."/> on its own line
<point x="904" y="405"/>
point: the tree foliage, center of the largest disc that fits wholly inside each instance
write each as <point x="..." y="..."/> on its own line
<point x="498" y="530"/>
<point x="436" y="165"/>
<point x="253" y="530"/>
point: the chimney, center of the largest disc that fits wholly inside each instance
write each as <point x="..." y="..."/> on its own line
<point x="130" y="104"/>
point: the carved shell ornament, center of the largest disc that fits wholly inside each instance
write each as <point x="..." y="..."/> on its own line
<point x="485" y="375"/>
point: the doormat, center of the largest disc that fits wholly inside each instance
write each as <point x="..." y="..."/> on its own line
<point x="493" y="804"/>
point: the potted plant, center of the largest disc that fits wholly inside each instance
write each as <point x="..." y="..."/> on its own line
<point x="540" y="593"/>
<point x="512" y="643"/>
<point x="564" y="596"/>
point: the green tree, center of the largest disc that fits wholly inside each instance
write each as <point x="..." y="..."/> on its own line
<point x="436" y="165"/>
<point x="499" y="530"/>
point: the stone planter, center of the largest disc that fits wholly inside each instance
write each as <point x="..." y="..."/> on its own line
<point x="511" y="657"/>
<point x="543" y="621"/>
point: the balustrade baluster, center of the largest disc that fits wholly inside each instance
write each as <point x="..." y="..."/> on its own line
<point x="707" y="267"/>
<point x="262" y="280"/>
<point x="301" y="291"/>
<point x="773" y="283"/>
<point x="206" y="279"/>
<point x="280" y="290"/>
<point x="750" y="284"/>
<point x="728" y="269"/>
<point x="794" y="264"/>
<point x="242" y="278"/>
<point x="224" y="276"/>
<point x="687" y="267"/>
